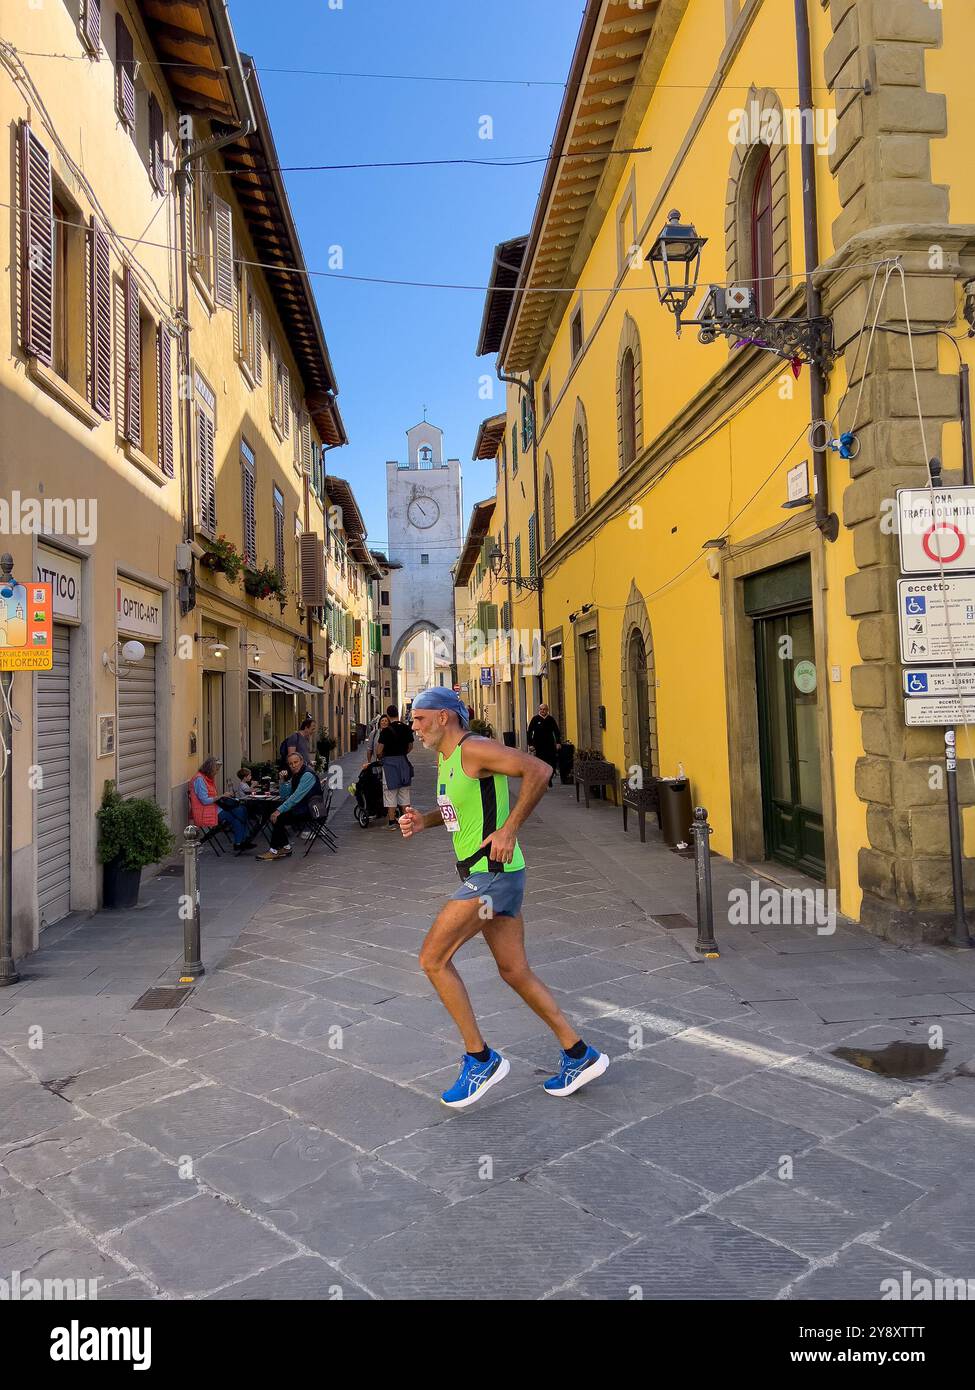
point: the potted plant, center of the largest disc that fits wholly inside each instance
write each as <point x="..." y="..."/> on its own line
<point x="223" y="556"/>
<point x="131" y="834"/>
<point x="263" y="582"/>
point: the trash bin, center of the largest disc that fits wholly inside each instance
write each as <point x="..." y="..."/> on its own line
<point x="509" y="738"/>
<point x="567" y="754"/>
<point x="676" y="812"/>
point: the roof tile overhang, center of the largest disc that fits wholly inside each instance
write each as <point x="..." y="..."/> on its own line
<point x="505" y="268"/>
<point x="197" y="53"/>
<point x="198" y="56"/>
<point x="613" y="69"/>
<point x="341" y="494"/>
<point x="477" y="530"/>
<point x="252" y="166"/>
<point x="489" y="436"/>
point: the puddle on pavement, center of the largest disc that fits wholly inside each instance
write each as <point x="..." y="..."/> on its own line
<point x="900" y="1060"/>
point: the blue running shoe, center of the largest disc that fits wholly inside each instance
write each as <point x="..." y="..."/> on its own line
<point x="576" y="1072"/>
<point x="475" y="1078"/>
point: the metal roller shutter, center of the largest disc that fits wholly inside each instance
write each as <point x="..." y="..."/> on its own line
<point x="53" y="797"/>
<point x="137" y="727"/>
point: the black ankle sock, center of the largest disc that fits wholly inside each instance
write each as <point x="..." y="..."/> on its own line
<point x="480" y="1056"/>
<point x="576" y="1051"/>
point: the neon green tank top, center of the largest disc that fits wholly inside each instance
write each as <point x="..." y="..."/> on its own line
<point x="477" y="806"/>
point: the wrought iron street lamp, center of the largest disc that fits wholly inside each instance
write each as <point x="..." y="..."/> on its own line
<point x="677" y="253"/>
<point x="501" y="569"/>
<point x="731" y="311"/>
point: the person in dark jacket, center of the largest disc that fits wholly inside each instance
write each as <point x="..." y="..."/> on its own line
<point x="302" y="739"/>
<point x="392" y="746"/>
<point x="545" y="739"/>
<point x="297" y="791"/>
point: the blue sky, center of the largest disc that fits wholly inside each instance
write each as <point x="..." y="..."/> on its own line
<point x="394" y="348"/>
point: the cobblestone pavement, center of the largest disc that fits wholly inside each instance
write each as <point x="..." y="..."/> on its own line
<point x="280" y="1136"/>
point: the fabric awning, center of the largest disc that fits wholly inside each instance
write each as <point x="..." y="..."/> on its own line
<point x="264" y="681"/>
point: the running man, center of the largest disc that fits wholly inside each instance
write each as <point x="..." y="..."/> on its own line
<point x="472" y="801"/>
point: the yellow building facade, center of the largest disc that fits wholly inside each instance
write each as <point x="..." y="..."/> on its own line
<point x="718" y="583"/>
<point x="167" y="403"/>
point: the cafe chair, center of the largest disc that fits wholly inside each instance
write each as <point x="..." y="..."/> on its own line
<point x="212" y="834"/>
<point x="316" y="822"/>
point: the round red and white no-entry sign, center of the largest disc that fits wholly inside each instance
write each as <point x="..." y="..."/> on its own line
<point x="943" y="541"/>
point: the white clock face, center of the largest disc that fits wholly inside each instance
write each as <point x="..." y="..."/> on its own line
<point x="422" y="513"/>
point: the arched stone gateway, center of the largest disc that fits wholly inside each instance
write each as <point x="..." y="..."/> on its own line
<point x="639" y="686"/>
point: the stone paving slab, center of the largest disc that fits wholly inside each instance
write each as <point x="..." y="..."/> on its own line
<point x="201" y="1243"/>
<point x="443" y="1256"/>
<point x="109" y="1192"/>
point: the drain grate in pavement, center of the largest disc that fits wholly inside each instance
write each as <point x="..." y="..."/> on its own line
<point x="673" y="920"/>
<point x="163" y="998"/>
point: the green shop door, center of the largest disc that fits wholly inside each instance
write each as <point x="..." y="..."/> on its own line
<point x="788" y="716"/>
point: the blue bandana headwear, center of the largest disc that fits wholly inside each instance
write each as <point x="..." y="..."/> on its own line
<point x="439" y="697"/>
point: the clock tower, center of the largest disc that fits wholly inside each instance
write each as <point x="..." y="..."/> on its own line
<point x="423" y="512"/>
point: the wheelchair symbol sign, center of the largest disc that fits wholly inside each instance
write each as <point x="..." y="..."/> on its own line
<point x="917" y="683"/>
<point x="915" y="603"/>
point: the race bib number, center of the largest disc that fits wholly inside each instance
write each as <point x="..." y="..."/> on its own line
<point x="448" y="814"/>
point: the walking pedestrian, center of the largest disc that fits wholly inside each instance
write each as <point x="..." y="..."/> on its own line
<point x="472" y="802"/>
<point x="545" y="739"/>
<point x="372" y="744"/>
<point x="393" y="745"/>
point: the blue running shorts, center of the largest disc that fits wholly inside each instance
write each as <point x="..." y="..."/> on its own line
<point x="506" y="892"/>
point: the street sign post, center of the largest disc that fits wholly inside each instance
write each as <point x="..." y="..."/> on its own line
<point x="26" y="637"/>
<point x="937" y="619"/>
<point x="940" y="711"/>
<point x="936" y="527"/>
<point x="939" y="680"/>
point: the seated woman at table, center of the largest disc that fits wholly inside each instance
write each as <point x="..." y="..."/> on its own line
<point x="296" y="792"/>
<point x="206" y="811"/>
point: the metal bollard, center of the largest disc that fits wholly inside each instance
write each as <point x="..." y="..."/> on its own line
<point x="705" y="944"/>
<point x="192" y="965"/>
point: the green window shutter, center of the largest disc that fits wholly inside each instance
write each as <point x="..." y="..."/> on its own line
<point x="514" y="450"/>
<point x="532" y="545"/>
<point x="518" y="554"/>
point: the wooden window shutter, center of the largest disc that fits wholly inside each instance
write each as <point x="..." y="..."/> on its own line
<point x="238" y="312"/>
<point x="285" y="401"/>
<point x="91" y="26"/>
<point x="223" y="277"/>
<point x="279" y="532"/>
<point x="532" y="545"/>
<point x="307" y="448"/>
<point x="124" y="73"/>
<point x="257" y="343"/>
<point x="312" y="570"/>
<point x="157" y="170"/>
<point x="164" y="414"/>
<point x="100" y="311"/>
<point x="132" y="423"/>
<point x="205" y="474"/>
<point x="249" y="512"/>
<point x="37" y="284"/>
